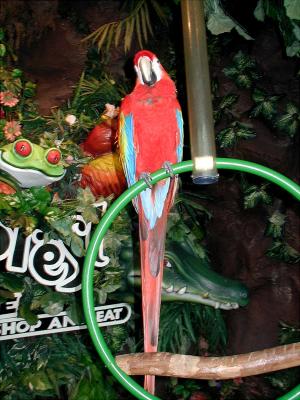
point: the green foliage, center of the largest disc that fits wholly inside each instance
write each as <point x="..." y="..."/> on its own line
<point x="22" y="208"/>
<point x="31" y="290"/>
<point x="289" y="334"/>
<point x="228" y="137"/>
<point x="255" y="194"/>
<point x="184" y="388"/>
<point x="10" y="284"/>
<point x="229" y="389"/>
<point x="289" y="122"/>
<point x="22" y="108"/>
<point x="137" y="23"/>
<point x="292" y="9"/>
<point x="243" y="70"/>
<point x="50" y="366"/>
<point x="282" y="251"/>
<point x="219" y="21"/>
<point x="182" y="323"/>
<point x="276" y="224"/>
<point x="282" y="116"/>
<point x="109" y="278"/>
<point x="187" y="223"/>
<point x="285" y="380"/>
<point x="286" y="17"/>
<point x="279" y="249"/>
<point x="265" y="105"/>
<point x="38" y="299"/>
<point x="118" y="339"/>
<point x="223" y="106"/>
<point x="35" y="207"/>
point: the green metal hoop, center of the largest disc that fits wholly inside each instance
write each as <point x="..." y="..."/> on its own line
<point x="92" y="252"/>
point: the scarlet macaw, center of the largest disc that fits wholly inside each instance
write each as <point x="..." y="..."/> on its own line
<point x="150" y="138"/>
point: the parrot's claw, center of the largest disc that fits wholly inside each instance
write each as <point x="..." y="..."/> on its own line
<point x="146" y="177"/>
<point x="168" y="168"/>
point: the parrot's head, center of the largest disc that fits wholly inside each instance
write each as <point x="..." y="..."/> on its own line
<point x="148" y="68"/>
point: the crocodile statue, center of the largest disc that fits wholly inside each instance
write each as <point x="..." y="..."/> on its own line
<point x="188" y="278"/>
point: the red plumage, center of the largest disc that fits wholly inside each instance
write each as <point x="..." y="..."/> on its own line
<point x="150" y="137"/>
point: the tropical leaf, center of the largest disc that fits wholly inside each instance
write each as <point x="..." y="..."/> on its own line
<point x="11" y="282"/>
<point x="288" y="333"/>
<point x="286" y="16"/>
<point x="242" y="71"/>
<point x="228" y="137"/>
<point x="223" y="105"/>
<point x="219" y="22"/>
<point x="53" y="366"/>
<point x="186" y="320"/>
<point x="283" y="252"/>
<point x="136" y="23"/>
<point x="228" y="100"/>
<point x="265" y="105"/>
<point x="255" y="194"/>
<point x="243" y="61"/>
<point x="185" y="389"/>
<point x="292" y="9"/>
<point x="289" y="122"/>
<point x="276" y="225"/>
<point x="259" y="11"/>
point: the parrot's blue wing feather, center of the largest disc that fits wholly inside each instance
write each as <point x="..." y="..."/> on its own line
<point x="127" y="150"/>
<point x="153" y="201"/>
<point x="160" y="197"/>
<point x="179" y="149"/>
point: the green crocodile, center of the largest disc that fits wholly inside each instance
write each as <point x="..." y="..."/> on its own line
<point x="187" y="278"/>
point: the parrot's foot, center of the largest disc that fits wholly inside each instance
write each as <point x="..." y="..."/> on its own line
<point x="168" y="168"/>
<point x="145" y="176"/>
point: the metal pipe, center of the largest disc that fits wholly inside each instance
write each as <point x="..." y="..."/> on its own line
<point x="200" y="113"/>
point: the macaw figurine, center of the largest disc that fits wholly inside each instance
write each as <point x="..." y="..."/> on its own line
<point x="151" y="138"/>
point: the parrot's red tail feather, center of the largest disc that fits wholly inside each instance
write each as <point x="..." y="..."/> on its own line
<point x="152" y="259"/>
<point x="152" y="248"/>
<point x="151" y="290"/>
<point x="149" y="383"/>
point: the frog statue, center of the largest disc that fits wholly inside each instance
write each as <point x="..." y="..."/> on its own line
<point x="24" y="164"/>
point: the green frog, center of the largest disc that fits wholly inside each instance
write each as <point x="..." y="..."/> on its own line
<point x="31" y="165"/>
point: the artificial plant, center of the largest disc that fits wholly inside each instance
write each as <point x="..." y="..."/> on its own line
<point x="138" y="22"/>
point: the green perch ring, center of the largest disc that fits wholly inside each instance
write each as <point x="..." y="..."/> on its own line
<point x="88" y="270"/>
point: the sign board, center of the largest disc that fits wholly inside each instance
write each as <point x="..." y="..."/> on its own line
<point x="12" y="327"/>
<point x="50" y="264"/>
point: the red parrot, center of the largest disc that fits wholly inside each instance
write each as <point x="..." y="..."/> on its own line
<point x="150" y="138"/>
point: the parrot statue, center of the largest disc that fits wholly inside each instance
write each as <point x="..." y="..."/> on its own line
<point x="150" y="138"/>
<point x="104" y="173"/>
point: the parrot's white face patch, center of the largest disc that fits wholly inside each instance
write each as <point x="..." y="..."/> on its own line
<point x="145" y="68"/>
<point x="156" y="68"/>
<point x="148" y="68"/>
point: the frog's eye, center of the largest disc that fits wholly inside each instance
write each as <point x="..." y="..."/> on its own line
<point x="23" y="148"/>
<point x="53" y="156"/>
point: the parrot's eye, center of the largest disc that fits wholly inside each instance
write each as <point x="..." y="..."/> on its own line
<point x="23" y="148"/>
<point x="158" y="62"/>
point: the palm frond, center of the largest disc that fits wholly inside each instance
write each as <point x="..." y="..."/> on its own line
<point x="181" y="324"/>
<point x="137" y="23"/>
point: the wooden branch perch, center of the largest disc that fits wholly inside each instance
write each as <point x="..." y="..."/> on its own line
<point x="193" y="367"/>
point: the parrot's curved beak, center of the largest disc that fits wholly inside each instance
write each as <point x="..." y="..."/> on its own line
<point x="147" y="74"/>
